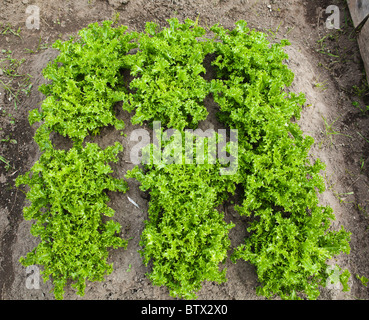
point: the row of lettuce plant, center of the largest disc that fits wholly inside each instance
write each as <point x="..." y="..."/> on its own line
<point x="67" y="188"/>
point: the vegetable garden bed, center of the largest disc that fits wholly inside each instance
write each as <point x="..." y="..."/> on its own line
<point x="108" y="82"/>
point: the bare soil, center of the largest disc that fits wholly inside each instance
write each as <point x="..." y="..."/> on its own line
<point x="328" y="69"/>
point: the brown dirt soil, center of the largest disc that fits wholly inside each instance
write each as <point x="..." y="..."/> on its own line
<point x="328" y="69"/>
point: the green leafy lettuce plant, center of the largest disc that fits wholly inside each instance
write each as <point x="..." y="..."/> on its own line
<point x="86" y="81"/>
<point x="168" y="84"/>
<point x="185" y="236"/>
<point x="67" y="192"/>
